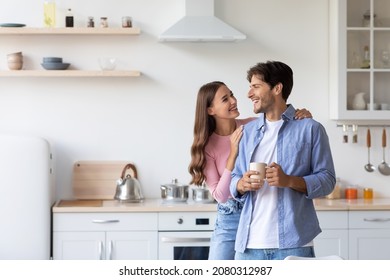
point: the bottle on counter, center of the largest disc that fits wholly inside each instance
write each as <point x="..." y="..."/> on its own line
<point x="69" y="22"/>
<point x="49" y="13"/>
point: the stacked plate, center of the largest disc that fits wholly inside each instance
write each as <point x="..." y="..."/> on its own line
<point x="54" y="63"/>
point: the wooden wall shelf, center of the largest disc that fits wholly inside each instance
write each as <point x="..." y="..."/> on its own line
<point x="70" y="73"/>
<point x="68" y="31"/>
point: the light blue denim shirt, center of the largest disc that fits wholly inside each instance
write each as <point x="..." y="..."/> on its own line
<point x="304" y="151"/>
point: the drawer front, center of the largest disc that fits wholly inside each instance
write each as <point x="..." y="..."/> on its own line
<point x="104" y="221"/>
<point x="333" y="219"/>
<point x="369" y="219"/>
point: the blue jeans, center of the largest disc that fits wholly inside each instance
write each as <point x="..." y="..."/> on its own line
<point x="275" y="254"/>
<point x="224" y="235"/>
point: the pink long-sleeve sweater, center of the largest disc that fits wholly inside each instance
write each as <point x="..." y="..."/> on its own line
<point x="217" y="152"/>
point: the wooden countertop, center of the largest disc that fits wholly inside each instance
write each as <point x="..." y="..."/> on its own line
<point x="157" y="205"/>
<point x="148" y="205"/>
<point x="352" y="204"/>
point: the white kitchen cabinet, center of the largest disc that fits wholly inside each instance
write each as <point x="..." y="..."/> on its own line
<point x="359" y="59"/>
<point x="333" y="240"/>
<point x="369" y="235"/>
<point x="77" y="31"/>
<point x="93" y="236"/>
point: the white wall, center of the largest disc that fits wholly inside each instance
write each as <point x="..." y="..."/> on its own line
<point x="149" y="120"/>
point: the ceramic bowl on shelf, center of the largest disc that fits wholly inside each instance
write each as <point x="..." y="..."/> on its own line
<point x="55" y="66"/>
<point x="107" y="63"/>
<point x="52" y="59"/>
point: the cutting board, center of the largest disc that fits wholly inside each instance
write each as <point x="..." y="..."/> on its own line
<point x="80" y="203"/>
<point x="97" y="179"/>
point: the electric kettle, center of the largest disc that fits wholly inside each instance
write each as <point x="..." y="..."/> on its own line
<point x="128" y="189"/>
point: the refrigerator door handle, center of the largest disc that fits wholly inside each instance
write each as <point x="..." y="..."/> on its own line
<point x="105" y="221"/>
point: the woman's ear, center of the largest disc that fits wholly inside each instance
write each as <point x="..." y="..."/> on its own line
<point x="210" y="111"/>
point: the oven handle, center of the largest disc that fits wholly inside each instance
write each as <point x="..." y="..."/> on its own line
<point x="184" y="239"/>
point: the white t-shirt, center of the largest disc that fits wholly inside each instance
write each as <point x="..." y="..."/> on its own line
<point x="263" y="232"/>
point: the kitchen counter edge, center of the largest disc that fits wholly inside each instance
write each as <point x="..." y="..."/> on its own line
<point x="156" y="205"/>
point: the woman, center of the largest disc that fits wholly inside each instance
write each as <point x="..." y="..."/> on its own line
<point x="217" y="132"/>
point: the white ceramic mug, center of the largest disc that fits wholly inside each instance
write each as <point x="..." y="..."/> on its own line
<point x="260" y="167"/>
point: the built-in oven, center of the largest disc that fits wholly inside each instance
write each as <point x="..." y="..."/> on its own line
<point x="185" y="235"/>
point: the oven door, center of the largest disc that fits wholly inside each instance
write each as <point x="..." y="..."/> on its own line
<point x="184" y="245"/>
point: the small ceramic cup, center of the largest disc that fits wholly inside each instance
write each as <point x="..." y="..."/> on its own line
<point x="375" y="106"/>
<point x="384" y="106"/>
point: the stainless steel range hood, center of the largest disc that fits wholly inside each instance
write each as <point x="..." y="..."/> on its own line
<point x="200" y="25"/>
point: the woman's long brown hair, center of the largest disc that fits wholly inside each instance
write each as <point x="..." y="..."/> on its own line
<point x="204" y="126"/>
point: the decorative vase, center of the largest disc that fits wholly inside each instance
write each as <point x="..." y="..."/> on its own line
<point x="358" y="102"/>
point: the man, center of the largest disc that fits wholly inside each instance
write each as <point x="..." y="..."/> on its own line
<point x="278" y="218"/>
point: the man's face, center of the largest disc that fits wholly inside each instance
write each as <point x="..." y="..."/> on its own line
<point x="261" y="94"/>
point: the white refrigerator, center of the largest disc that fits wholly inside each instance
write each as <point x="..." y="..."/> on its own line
<point x="26" y="197"/>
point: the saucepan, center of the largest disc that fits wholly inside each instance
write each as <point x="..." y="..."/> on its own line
<point x="174" y="192"/>
<point x="202" y="194"/>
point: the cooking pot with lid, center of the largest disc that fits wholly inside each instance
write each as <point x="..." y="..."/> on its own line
<point x="174" y="192"/>
<point x="202" y="194"/>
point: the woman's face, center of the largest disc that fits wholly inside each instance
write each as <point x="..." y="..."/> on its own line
<point x="224" y="104"/>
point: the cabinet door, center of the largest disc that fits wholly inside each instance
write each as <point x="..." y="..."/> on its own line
<point x="78" y="245"/>
<point x="132" y="245"/>
<point x="359" y="59"/>
<point x="332" y="242"/>
<point x="369" y="235"/>
<point x="369" y="244"/>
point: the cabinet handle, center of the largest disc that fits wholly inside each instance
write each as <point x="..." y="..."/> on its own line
<point x="105" y="221"/>
<point x="110" y="248"/>
<point x="100" y="250"/>
<point x="376" y="220"/>
<point x="184" y="239"/>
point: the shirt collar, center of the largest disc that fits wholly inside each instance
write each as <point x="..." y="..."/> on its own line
<point x="287" y="115"/>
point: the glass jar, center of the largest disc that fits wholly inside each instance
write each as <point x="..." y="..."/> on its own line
<point x="103" y="22"/>
<point x="336" y="193"/>
<point x="126" y="22"/>
<point x="366" y="21"/>
<point x="368" y="193"/>
<point x="49" y="13"/>
<point x="351" y="193"/>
